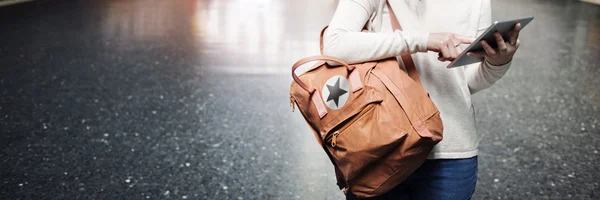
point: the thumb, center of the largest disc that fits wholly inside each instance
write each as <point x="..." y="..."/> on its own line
<point x="477" y="53"/>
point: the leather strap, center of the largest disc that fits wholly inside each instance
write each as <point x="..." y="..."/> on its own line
<point x="321" y="39"/>
<point x="314" y="58"/>
<point x="409" y="64"/>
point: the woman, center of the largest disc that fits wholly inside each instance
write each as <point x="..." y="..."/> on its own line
<point x="433" y="31"/>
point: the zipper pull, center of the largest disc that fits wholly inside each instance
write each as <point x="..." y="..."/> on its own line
<point x="292" y="103"/>
<point x="334" y="139"/>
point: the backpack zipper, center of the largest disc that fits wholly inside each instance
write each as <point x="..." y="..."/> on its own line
<point x="333" y="138"/>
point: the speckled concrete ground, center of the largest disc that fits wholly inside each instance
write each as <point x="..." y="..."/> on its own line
<point x="189" y="100"/>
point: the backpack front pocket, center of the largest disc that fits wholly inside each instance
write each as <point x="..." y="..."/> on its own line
<point x="364" y="138"/>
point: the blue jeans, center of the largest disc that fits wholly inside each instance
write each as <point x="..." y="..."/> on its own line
<point x="436" y="180"/>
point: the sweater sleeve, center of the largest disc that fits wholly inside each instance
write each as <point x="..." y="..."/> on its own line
<point x="344" y="39"/>
<point x="483" y="75"/>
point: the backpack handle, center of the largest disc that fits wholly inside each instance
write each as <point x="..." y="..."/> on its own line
<point x="353" y="75"/>
<point x="350" y="68"/>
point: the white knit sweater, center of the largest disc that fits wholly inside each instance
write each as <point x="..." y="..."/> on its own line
<point x="450" y="89"/>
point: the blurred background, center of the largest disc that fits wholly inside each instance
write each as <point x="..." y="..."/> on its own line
<point x="188" y="99"/>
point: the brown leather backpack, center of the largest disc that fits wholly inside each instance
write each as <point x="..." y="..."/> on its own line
<point x="374" y="121"/>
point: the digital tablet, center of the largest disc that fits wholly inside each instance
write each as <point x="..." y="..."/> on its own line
<point x="503" y="27"/>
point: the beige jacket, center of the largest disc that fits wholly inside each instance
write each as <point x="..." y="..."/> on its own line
<point x="450" y="89"/>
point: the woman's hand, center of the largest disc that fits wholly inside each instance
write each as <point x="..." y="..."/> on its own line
<point x="447" y="45"/>
<point x="505" y="51"/>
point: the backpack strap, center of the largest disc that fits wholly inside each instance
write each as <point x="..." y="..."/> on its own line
<point x="409" y="64"/>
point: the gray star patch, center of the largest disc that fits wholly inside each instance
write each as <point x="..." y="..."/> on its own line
<point x="335" y="92"/>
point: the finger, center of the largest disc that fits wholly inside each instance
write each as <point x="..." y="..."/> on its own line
<point x="453" y="52"/>
<point x="500" y="42"/>
<point x="487" y="48"/>
<point x="514" y="34"/>
<point x="440" y="56"/>
<point x="465" y="39"/>
<point x="477" y="53"/>
<point x="518" y="43"/>
<point x="445" y="53"/>
<point x="365" y="31"/>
